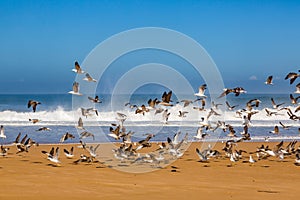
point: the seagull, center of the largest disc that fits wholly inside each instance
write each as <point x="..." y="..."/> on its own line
<point x="88" y="78"/>
<point x="225" y="92"/>
<point x="33" y="104"/>
<point x="69" y="154"/>
<point x="200" y="135"/>
<point x="92" y="150"/>
<point x="44" y="129"/>
<point x="115" y="133"/>
<point x="2" y="135"/>
<point x="237" y="91"/>
<point x="77" y="69"/>
<point x="86" y="134"/>
<point x="75" y="90"/>
<point x="145" y="143"/>
<point x="166" y="99"/>
<point x="80" y="124"/>
<point x="297" y="160"/>
<point x="276" y="130"/>
<point x="66" y="136"/>
<point x="121" y="118"/>
<point x="202" y="155"/>
<point x="34" y="121"/>
<point x="86" y="112"/>
<point x="201" y="91"/>
<point x="293" y="99"/>
<point x="284" y="126"/>
<point x="186" y="102"/>
<point x="229" y="106"/>
<point x="165" y="116"/>
<point x="53" y="157"/>
<point x="269" y="80"/>
<point x="3" y="150"/>
<point x="276" y="106"/>
<point x="95" y="100"/>
<point x="297" y="89"/>
<point x="231" y="131"/>
<point x="127" y="137"/>
<point x="182" y="113"/>
<point x="255" y="101"/>
<point x="142" y="110"/>
<point x="292" y="76"/>
<point x="270" y="113"/>
<point x="152" y="103"/>
<point x="251" y="160"/>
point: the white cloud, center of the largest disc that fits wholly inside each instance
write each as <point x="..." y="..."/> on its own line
<point x="253" y="77"/>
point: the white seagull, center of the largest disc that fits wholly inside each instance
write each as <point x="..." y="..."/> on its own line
<point x="77" y="69"/>
<point x="201" y="91"/>
<point x="75" y="90"/>
<point x="69" y="154"/>
<point x="297" y="89"/>
<point x="2" y="135"/>
<point x="88" y="78"/>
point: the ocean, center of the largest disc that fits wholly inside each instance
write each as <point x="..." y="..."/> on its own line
<point x="60" y="114"/>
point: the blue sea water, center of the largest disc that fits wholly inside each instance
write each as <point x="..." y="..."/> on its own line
<point x="60" y="112"/>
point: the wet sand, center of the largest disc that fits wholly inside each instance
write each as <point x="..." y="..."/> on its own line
<point x="31" y="175"/>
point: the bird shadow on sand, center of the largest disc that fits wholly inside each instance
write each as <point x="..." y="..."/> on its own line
<point x="53" y="165"/>
<point x="37" y="162"/>
<point x="268" y="191"/>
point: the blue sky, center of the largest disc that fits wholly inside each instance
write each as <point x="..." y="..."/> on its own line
<point x="40" y="40"/>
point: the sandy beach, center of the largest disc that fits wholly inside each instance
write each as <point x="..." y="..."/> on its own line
<point x="31" y="175"/>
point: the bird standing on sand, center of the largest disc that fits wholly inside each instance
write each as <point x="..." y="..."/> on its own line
<point x="2" y="135"/>
<point x="33" y="104"/>
<point x="251" y="160"/>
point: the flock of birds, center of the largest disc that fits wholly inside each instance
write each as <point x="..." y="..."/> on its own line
<point x="172" y="148"/>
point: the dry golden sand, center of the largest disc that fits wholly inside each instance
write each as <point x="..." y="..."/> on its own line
<point x="30" y="175"/>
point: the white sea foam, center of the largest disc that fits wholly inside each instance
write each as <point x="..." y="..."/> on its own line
<point x="59" y="116"/>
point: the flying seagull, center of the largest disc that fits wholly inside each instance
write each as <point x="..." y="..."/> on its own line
<point x="66" y="136"/>
<point x="292" y="76"/>
<point x="269" y="80"/>
<point x="77" y="69"/>
<point x="44" y="129"/>
<point x="53" y="156"/>
<point x="75" y="89"/>
<point x="80" y="123"/>
<point x="34" y="121"/>
<point x="86" y="134"/>
<point x="201" y="91"/>
<point x="95" y="100"/>
<point x="88" y="78"/>
<point x="69" y="154"/>
<point x="294" y="99"/>
<point x="276" y="130"/>
<point x="33" y="104"/>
